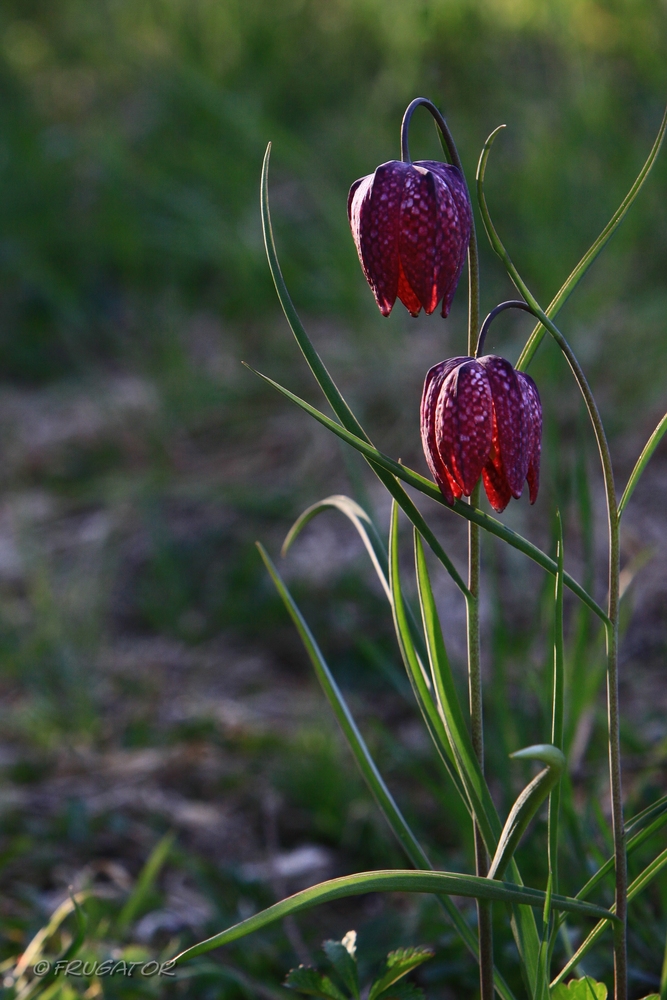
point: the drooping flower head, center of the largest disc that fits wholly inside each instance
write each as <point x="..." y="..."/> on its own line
<point x="481" y="417"/>
<point x="411" y="226"/>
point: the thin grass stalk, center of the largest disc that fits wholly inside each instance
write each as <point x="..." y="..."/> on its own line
<point x="557" y="728"/>
<point x="477" y="733"/>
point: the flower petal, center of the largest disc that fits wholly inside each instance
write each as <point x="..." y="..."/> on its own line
<point x="417" y="236"/>
<point x="432" y="386"/>
<point x="511" y="443"/>
<point x="373" y="210"/>
<point x="454" y="222"/>
<point x="406" y="295"/>
<point x="532" y="408"/>
<point x="463" y="422"/>
<point x="495" y="484"/>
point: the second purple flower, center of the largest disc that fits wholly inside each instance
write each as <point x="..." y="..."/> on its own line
<point x="481" y="417"/>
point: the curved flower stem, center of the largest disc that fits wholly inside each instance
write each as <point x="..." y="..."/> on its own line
<point x="620" y="858"/>
<point x="424" y="102"/>
<point x="510" y="304"/>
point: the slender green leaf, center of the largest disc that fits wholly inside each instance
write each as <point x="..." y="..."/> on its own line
<point x="635" y="887"/>
<point x="330" y="389"/>
<point x="557" y="740"/>
<point x="542" y="990"/>
<point x="638" y="822"/>
<point x="450" y="708"/>
<point x="370" y="538"/>
<point x="145" y="881"/>
<point x="527" y="803"/>
<point x="658" y="814"/>
<point x="447" y="883"/>
<point x="73" y="947"/>
<point x="415" y="669"/>
<point x="399" y="964"/>
<point x="429" y="489"/>
<point x="36" y="945"/>
<point x="349" y="727"/>
<point x="579" y="271"/>
<point x="643" y="460"/>
<point x="315" y="363"/>
<point x="357" y="515"/>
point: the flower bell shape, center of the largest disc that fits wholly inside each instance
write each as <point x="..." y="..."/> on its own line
<point x="481" y="417"/>
<point x="411" y="225"/>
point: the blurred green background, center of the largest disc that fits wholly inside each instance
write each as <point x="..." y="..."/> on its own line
<point x="150" y="679"/>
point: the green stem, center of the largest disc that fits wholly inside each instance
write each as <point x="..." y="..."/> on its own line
<point x="557" y="718"/>
<point x="484" y="915"/>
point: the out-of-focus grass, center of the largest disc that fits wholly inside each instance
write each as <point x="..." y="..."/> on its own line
<point x="149" y="677"/>
<point x="132" y="136"/>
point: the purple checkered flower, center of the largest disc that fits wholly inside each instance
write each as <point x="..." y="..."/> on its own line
<point x="411" y="226"/>
<point x="481" y="417"/>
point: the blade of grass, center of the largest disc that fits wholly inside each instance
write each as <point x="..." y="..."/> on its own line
<point x="448" y="883"/>
<point x="542" y="991"/>
<point x="643" y="460"/>
<point x="557" y="739"/>
<point x="370" y="537"/>
<point x="527" y="802"/>
<point x="36" y="945"/>
<point x="145" y="882"/>
<point x="368" y="767"/>
<point x="634" y="842"/>
<point x="429" y="489"/>
<point x="417" y="675"/>
<point x="448" y="702"/>
<point x="635" y="887"/>
<point x="657" y="808"/>
<point x="345" y="720"/>
<point x="330" y="389"/>
<point x="72" y="948"/>
<point x="367" y="531"/>
<point x="558" y="703"/>
<point x="579" y="271"/>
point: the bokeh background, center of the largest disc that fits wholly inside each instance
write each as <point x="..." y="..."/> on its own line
<point x="150" y="678"/>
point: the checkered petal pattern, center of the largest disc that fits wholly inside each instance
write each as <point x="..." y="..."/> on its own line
<point x="411" y="226"/>
<point x="481" y="417"/>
